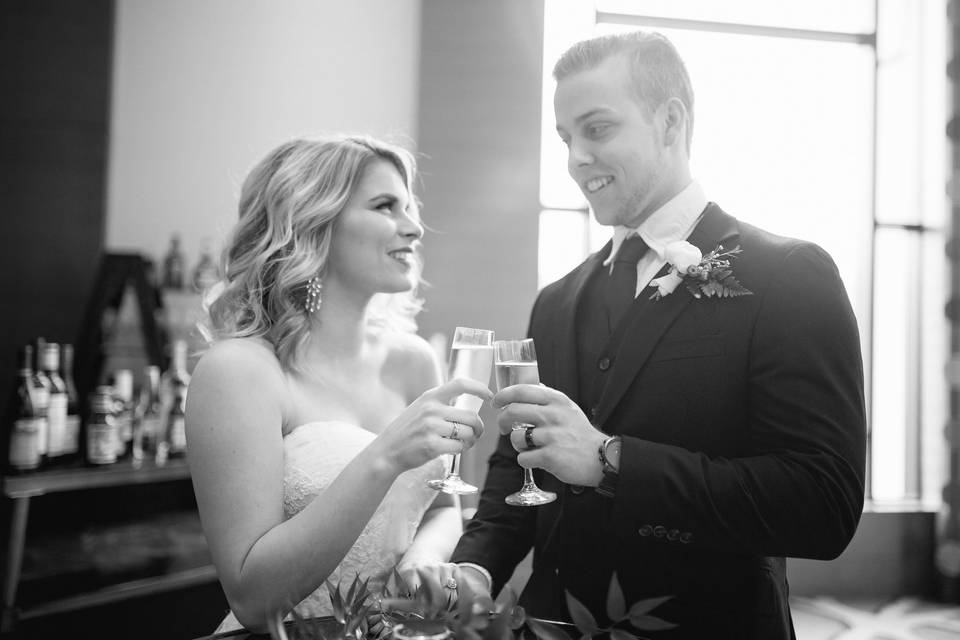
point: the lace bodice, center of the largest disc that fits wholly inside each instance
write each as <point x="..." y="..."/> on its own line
<point x="314" y="455"/>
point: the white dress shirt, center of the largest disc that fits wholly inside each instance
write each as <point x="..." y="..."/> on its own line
<point x="672" y="222"/>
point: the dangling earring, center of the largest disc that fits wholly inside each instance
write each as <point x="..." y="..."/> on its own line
<point x="313" y="294"/>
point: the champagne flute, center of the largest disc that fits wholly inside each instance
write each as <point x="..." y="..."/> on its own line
<point x="471" y="356"/>
<point x="516" y="363"/>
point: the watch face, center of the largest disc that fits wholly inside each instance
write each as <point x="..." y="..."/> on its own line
<point x="610" y="445"/>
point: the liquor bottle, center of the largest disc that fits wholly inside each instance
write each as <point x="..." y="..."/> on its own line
<point x="57" y="405"/>
<point x="102" y="438"/>
<point x="41" y="390"/>
<point x="173" y="265"/>
<point x="205" y="274"/>
<point x="148" y="411"/>
<point x="24" y="451"/>
<point x="71" y="442"/>
<point x="173" y="444"/>
<point x="123" y="411"/>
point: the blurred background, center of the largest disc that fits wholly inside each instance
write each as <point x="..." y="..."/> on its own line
<point x="127" y="127"/>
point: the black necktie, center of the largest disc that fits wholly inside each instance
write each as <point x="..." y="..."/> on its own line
<point x="622" y="283"/>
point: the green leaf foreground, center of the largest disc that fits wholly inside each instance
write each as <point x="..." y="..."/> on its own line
<point x="431" y="608"/>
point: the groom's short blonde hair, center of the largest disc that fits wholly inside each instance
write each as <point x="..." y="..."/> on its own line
<point x="657" y="71"/>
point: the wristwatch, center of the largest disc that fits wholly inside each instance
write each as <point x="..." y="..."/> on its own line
<point x="608" y="483"/>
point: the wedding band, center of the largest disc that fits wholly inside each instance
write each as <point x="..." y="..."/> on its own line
<point x="453" y="434"/>
<point x="528" y="437"/>
<point x="450" y="584"/>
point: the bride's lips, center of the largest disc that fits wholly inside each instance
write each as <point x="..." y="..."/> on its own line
<point x="402" y="255"/>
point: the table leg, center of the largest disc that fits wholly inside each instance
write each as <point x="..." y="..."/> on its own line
<point x="14" y="560"/>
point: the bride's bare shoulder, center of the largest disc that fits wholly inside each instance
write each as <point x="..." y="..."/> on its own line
<point x="414" y="358"/>
<point x="250" y="360"/>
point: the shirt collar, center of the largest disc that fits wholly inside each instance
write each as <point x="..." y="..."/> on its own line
<point x="670" y="223"/>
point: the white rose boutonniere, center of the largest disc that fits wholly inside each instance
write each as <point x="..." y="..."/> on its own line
<point x="708" y="275"/>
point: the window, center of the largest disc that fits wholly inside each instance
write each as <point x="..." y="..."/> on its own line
<point x="822" y="121"/>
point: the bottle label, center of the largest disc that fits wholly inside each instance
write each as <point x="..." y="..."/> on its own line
<point x="71" y="441"/>
<point x="150" y="424"/>
<point x="24" y="452"/>
<point x="56" y="424"/>
<point x="42" y="435"/>
<point x="178" y="434"/>
<point x="101" y="443"/>
<point x="41" y="400"/>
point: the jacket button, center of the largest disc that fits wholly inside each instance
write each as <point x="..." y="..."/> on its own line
<point x="686" y="537"/>
<point x="673" y="535"/>
<point x="576" y="489"/>
<point x="646" y="530"/>
<point x="659" y="531"/>
<point x="603" y="364"/>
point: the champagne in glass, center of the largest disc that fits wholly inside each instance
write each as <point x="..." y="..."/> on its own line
<point x="471" y="356"/>
<point x="517" y="364"/>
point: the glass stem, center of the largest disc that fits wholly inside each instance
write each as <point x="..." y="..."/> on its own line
<point x="454" y="466"/>
<point x="528" y="483"/>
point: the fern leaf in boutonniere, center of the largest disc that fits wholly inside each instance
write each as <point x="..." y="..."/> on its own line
<point x="703" y="275"/>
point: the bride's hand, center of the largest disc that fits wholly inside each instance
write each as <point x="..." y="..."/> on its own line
<point x="430" y="426"/>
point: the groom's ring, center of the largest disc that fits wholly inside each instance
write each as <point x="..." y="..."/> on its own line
<point x="450" y="584"/>
<point x="528" y="437"/>
<point x="453" y="434"/>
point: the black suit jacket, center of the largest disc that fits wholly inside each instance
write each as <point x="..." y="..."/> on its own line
<point x="743" y="428"/>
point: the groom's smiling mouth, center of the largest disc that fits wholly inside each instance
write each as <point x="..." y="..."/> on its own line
<point x="595" y="184"/>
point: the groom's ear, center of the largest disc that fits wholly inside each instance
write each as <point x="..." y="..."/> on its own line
<point x="674" y="115"/>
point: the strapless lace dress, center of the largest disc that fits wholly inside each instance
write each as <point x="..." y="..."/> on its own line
<point x="314" y="455"/>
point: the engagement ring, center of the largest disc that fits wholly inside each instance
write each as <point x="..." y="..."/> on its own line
<point x="450" y="584"/>
<point x="528" y="437"/>
<point x="453" y="434"/>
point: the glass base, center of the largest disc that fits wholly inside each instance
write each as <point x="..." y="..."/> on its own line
<point x="452" y="484"/>
<point x="530" y="497"/>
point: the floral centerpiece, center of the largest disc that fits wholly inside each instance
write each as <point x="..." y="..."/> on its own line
<point x="431" y="612"/>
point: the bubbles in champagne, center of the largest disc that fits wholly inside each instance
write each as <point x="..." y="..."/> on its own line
<point x="511" y="373"/>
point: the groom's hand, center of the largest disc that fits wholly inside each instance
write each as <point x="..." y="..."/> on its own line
<point x="565" y="442"/>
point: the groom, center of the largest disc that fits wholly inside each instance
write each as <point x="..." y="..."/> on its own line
<point x="694" y="442"/>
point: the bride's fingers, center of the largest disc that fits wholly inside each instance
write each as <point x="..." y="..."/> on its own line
<point x="449" y="575"/>
<point x="448" y="391"/>
<point x="465" y="417"/>
<point x="410" y="576"/>
<point x="449" y="446"/>
<point x="453" y="430"/>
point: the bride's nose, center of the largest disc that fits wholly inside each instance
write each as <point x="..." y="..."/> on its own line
<point x="410" y="227"/>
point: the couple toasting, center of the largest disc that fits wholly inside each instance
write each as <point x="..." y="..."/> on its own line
<point x="693" y="442"/>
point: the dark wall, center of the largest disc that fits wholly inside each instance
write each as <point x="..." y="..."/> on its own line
<point x="55" y="77"/>
<point x="479" y="140"/>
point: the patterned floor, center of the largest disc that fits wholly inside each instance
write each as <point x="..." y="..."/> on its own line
<point x="825" y="618"/>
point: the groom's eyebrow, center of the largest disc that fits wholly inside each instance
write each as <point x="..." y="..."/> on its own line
<point x="590" y="114"/>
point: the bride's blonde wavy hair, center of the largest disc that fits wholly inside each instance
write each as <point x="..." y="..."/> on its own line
<point x="289" y="206"/>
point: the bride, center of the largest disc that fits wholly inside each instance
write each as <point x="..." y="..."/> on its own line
<point x="317" y="415"/>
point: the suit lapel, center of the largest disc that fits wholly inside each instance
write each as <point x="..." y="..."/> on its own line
<point x="565" y="356"/>
<point x="649" y="319"/>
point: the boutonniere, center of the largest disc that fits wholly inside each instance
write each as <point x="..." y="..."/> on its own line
<point x="703" y="275"/>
